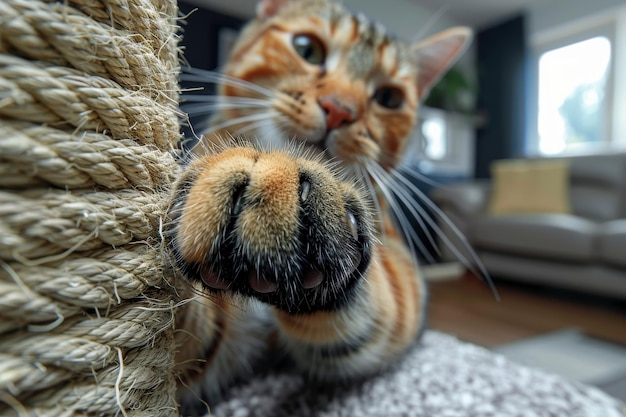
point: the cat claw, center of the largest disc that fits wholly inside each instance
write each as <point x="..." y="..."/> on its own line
<point x="353" y="226"/>
<point x="312" y="279"/>
<point x="261" y="284"/>
<point x="212" y="280"/>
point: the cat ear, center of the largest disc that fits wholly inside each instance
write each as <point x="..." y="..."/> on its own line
<point x="437" y="54"/>
<point x="268" y="8"/>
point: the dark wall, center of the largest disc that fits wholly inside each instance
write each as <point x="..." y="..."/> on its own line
<point x="201" y="34"/>
<point x="200" y="43"/>
<point x="503" y="85"/>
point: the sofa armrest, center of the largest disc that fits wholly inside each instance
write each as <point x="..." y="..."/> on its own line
<point x="465" y="199"/>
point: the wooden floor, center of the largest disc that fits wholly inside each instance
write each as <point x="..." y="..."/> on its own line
<point x="467" y="308"/>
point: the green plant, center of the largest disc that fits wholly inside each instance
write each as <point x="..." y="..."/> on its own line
<point x="451" y="92"/>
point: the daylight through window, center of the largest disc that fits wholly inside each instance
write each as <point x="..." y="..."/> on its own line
<point x="572" y="102"/>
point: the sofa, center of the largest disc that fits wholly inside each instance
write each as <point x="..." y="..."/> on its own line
<point x="565" y="226"/>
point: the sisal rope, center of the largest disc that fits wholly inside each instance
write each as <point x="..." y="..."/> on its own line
<point x="88" y="128"/>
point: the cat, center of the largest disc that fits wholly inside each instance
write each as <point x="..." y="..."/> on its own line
<point x="287" y="234"/>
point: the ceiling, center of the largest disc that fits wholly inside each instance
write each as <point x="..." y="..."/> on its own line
<point x="243" y="9"/>
<point x="475" y="13"/>
<point x="479" y="13"/>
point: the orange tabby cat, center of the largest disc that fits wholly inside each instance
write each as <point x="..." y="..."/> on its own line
<point x="289" y="252"/>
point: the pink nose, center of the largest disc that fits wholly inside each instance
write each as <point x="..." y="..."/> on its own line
<point x="336" y="113"/>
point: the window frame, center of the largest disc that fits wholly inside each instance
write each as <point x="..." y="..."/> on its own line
<point x="541" y="44"/>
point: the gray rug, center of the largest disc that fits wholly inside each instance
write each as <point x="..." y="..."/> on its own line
<point x="576" y="356"/>
<point x="442" y="377"/>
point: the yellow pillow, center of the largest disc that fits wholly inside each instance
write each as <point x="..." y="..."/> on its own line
<point x="539" y="186"/>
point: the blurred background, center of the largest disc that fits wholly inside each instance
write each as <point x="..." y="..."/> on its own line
<point x="499" y="79"/>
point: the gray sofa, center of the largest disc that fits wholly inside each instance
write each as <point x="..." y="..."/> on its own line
<point x="583" y="250"/>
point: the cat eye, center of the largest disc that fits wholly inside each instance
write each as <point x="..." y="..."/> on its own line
<point x="310" y="48"/>
<point x="389" y="97"/>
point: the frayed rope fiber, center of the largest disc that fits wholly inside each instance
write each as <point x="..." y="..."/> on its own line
<point x="88" y="132"/>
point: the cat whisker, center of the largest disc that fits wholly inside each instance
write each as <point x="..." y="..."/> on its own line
<point x="422" y="216"/>
<point x="392" y="194"/>
<point x="269" y="128"/>
<point x="266" y="126"/>
<point x="406" y="166"/>
<point x="206" y="105"/>
<point x="371" y="189"/>
<point x="418" y="212"/>
<point x="208" y="97"/>
<point x="212" y="77"/>
<point x="251" y="127"/>
<point x="245" y="101"/>
<point x="402" y="173"/>
<point x="475" y="265"/>
<point x="239" y="120"/>
<point x="430" y="23"/>
<point x="209" y="108"/>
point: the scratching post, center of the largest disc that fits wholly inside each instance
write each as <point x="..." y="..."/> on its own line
<point x="88" y="124"/>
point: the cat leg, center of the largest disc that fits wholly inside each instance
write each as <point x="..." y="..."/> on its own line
<point x="286" y="231"/>
<point x="366" y="335"/>
<point x="220" y="340"/>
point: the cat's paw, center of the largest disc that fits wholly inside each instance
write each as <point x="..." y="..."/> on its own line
<point x="282" y="229"/>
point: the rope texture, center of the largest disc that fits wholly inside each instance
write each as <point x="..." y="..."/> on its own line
<point x="88" y="131"/>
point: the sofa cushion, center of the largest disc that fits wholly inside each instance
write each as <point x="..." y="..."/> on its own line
<point x="560" y="236"/>
<point x="594" y="201"/>
<point x="612" y="242"/>
<point x="524" y="186"/>
<point x="598" y="186"/>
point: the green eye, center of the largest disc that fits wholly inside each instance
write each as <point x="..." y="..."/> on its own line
<point x="310" y="49"/>
<point x="389" y="97"/>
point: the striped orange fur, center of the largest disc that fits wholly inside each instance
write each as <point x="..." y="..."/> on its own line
<point x="292" y="252"/>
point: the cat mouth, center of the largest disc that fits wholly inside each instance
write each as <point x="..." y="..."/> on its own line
<point x="320" y="147"/>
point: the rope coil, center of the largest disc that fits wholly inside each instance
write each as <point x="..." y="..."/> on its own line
<point x="88" y="127"/>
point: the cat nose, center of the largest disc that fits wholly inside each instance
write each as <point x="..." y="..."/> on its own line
<point x="336" y="112"/>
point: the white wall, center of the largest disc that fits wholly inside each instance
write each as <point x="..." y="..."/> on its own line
<point x="403" y="17"/>
<point x="619" y="82"/>
<point x="545" y="18"/>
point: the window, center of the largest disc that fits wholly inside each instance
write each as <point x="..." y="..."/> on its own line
<point x="578" y="100"/>
<point x="435" y="137"/>
<point x="443" y="143"/>
<point x="572" y="99"/>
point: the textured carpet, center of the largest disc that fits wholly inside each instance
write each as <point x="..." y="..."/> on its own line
<point x="442" y="377"/>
